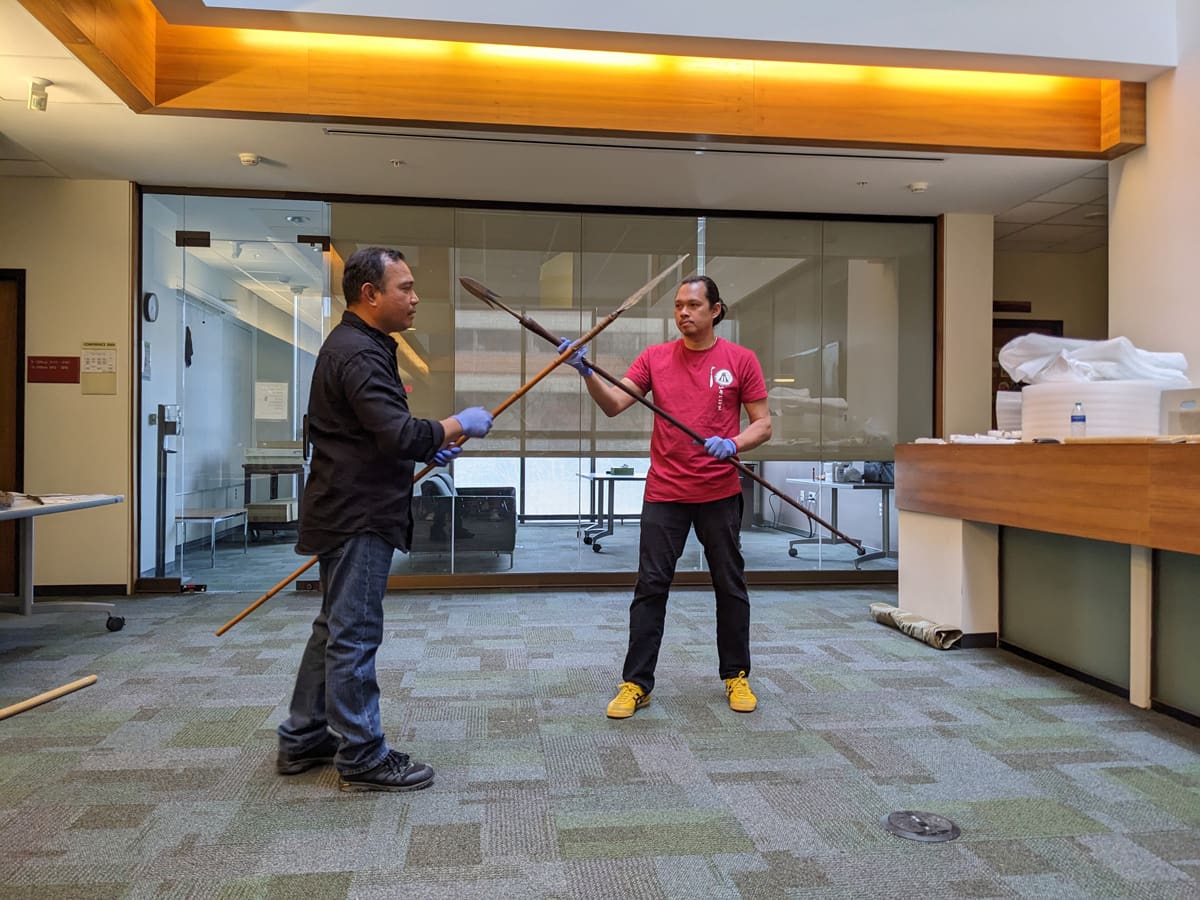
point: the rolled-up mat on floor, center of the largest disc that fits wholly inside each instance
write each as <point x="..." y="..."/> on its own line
<point x="942" y="637"/>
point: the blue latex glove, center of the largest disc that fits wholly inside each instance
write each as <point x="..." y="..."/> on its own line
<point x="576" y="360"/>
<point x="475" y="421"/>
<point x="443" y="456"/>
<point x="721" y="448"/>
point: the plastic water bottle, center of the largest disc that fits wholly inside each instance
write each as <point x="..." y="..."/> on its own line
<point x="1078" y="421"/>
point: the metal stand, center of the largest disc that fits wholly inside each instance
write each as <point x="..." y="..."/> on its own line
<point x="166" y="428"/>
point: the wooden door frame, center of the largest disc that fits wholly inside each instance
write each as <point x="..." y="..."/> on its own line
<point x="17" y="277"/>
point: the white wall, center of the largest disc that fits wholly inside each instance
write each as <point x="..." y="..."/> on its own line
<point x="1093" y="30"/>
<point x="75" y="241"/>
<point x="1068" y="286"/>
<point x="1154" y="198"/>
<point x="968" y="250"/>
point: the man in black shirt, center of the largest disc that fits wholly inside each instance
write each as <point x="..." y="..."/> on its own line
<point x="355" y="513"/>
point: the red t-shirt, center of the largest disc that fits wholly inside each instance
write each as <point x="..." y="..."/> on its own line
<point x="705" y="390"/>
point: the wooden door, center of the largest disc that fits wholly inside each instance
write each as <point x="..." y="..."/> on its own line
<point x="12" y="425"/>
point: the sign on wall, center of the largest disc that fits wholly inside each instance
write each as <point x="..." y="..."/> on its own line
<point x="98" y="367"/>
<point x="270" y="400"/>
<point x="52" y="370"/>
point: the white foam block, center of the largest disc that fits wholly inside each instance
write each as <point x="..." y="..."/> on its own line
<point x="1008" y="410"/>
<point x="1113" y="408"/>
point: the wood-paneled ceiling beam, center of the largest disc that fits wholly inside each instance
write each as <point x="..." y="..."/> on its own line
<point x="155" y="66"/>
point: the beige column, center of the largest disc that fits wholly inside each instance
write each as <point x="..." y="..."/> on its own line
<point x="950" y="572"/>
<point x="966" y="326"/>
<point x="1141" y="596"/>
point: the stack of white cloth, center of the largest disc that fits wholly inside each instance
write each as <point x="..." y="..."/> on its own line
<point x="1119" y="386"/>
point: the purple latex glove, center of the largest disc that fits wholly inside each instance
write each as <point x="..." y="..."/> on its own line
<point x="445" y="455"/>
<point x="721" y="448"/>
<point x="475" y="421"/>
<point x="576" y="360"/>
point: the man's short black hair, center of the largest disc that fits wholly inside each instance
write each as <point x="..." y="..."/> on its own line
<point x="366" y="266"/>
<point x="711" y="293"/>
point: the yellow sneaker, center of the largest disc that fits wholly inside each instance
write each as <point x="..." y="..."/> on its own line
<point x="630" y="698"/>
<point x="741" y="698"/>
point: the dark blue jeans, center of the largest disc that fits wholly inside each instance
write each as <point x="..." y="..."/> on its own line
<point x="336" y="685"/>
<point x="665" y="528"/>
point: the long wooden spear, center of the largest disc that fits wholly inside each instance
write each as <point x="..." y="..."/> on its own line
<point x="491" y="298"/>
<point x="632" y="300"/>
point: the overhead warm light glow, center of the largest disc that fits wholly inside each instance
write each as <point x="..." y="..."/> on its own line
<point x="912" y="79"/>
<point x="704" y="65"/>
<point x="799" y="72"/>
<point x="816" y="73"/>
<point x="346" y="43"/>
<point x="969" y="82"/>
<point x="783" y="380"/>
<point x="565" y="55"/>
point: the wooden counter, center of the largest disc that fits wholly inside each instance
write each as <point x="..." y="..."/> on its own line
<point x="1124" y="501"/>
<point x="1145" y="495"/>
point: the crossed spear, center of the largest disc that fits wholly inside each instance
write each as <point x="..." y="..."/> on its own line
<point x="491" y="298"/>
<point x="632" y="300"/>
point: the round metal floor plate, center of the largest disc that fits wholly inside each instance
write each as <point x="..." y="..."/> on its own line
<point x="920" y="826"/>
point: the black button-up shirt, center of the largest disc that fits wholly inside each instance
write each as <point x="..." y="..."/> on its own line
<point x="364" y="441"/>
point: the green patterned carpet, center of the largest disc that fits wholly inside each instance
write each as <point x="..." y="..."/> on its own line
<point x="158" y="781"/>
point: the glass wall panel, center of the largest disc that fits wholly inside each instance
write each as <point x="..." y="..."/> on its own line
<point x="851" y="374"/>
<point x="840" y="314"/>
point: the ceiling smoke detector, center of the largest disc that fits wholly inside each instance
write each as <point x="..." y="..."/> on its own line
<point x="38" y="98"/>
<point x="249" y="159"/>
<point x="919" y="187"/>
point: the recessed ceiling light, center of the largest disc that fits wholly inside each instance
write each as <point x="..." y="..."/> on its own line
<point x="297" y="220"/>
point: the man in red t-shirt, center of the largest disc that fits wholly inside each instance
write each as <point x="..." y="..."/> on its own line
<point x="704" y="382"/>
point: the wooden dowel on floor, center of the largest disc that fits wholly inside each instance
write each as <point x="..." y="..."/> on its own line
<point x="18" y="708"/>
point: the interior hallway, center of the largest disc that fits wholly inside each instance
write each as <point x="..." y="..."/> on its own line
<point x="159" y="780"/>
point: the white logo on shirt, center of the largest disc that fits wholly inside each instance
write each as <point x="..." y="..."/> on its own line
<point x="722" y="379"/>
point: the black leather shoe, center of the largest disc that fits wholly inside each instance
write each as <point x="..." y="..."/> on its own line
<point x="396" y="773"/>
<point x="319" y="755"/>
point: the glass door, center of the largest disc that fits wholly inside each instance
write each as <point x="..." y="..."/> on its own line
<point x="242" y="309"/>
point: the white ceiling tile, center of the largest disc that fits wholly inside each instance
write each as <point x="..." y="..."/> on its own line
<point x="1081" y="190"/>
<point x="26" y="168"/>
<point x="73" y="81"/>
<point x="1085" y="214"/>
<point x="1055" y="233"/>
<point x="26" y="35"/>
<point x="1033" y="211"/>
<point x="1088" y="241"/>
<point x="1022" y="246"/>
<point x="1005" y="229"/>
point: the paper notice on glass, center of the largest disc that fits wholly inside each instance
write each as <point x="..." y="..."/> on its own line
<point x="98" y="367"/>
<point x="271" y="400"/>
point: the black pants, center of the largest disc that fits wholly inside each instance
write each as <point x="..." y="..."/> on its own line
<point x="665" y="529"/>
